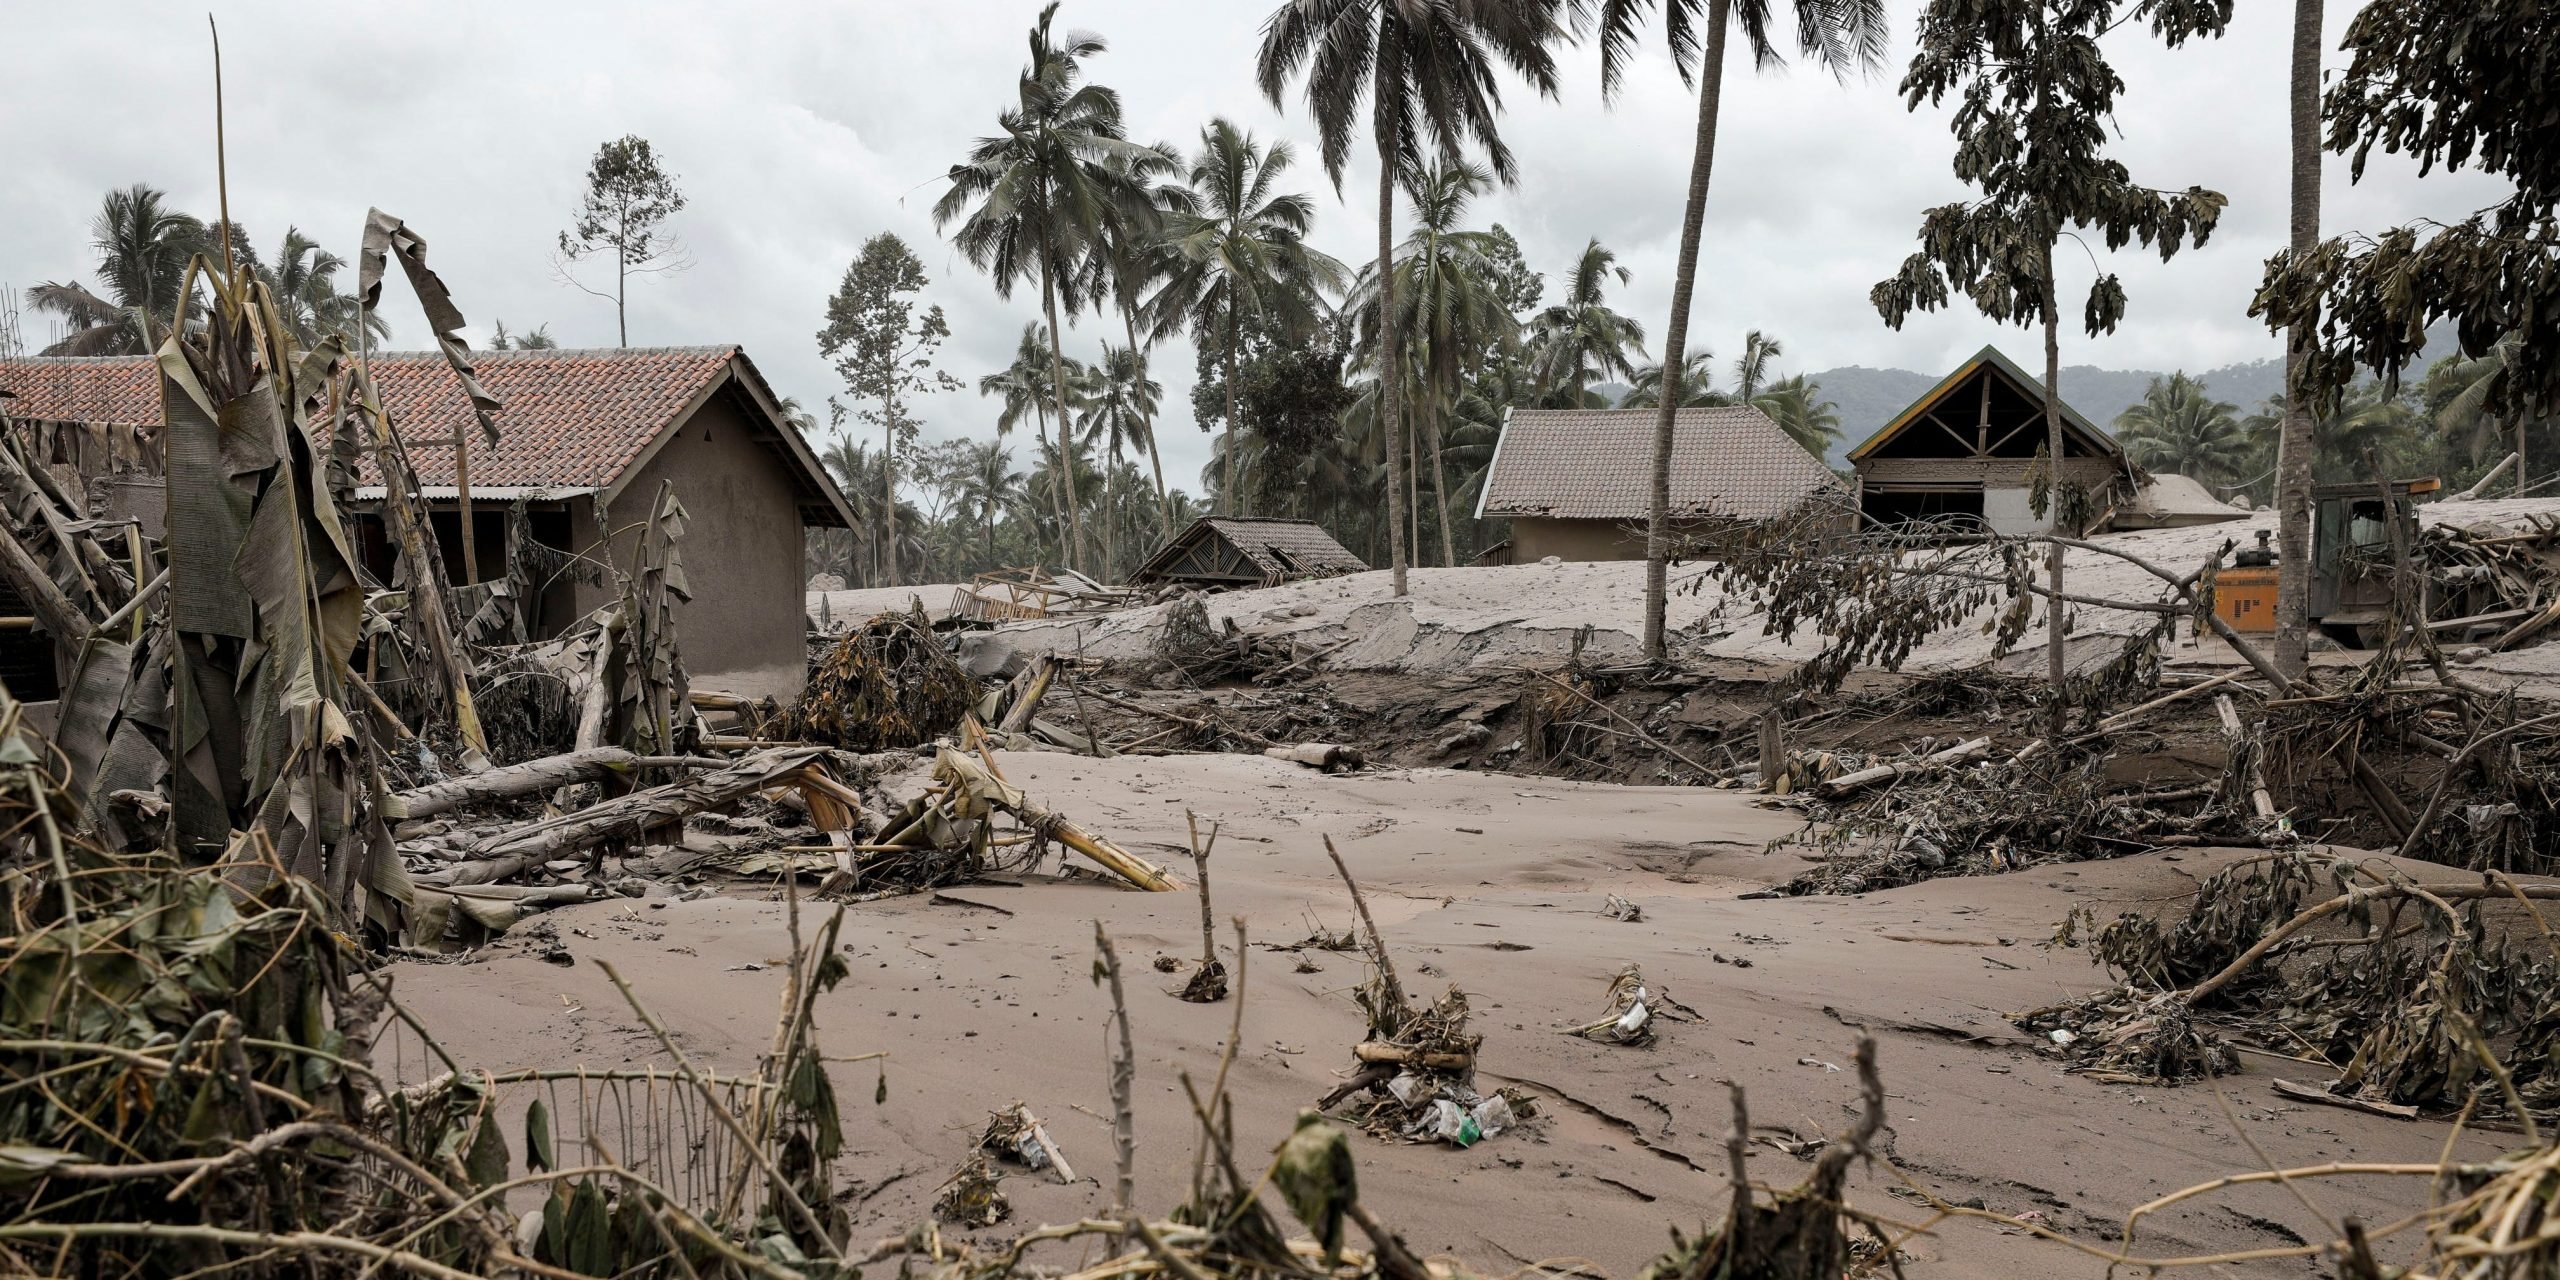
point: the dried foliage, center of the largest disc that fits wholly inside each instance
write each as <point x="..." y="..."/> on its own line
<point x="2414" y="1004"/>
<point x="885" y="684"/>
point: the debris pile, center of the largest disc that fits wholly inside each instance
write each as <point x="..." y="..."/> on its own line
<point x="1191" y="651"/>
<point x="1416" y="1066"/>
<point x="885" y="684"/>
<point x="1630" y="1015"/>
<point x="2420" y="995"/>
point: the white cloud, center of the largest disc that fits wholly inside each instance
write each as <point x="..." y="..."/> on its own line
<point x="800" y="129"/>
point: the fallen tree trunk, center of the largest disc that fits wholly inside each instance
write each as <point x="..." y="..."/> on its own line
<point x="976" y="791"/>
<point x="1027" y="693"/>
<point x="510" y="852"/>
<point x="1379" y="1051"/>
<point x="1319" y="755"/>
<point x="521" y="780"/>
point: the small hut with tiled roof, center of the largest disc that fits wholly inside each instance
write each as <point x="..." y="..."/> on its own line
<point x="584" y="440"/>
<point x="1246" y="551"/>
<point x="1576" y="483"/>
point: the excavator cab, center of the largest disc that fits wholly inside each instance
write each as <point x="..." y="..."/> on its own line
<point x="2351" y="536"/>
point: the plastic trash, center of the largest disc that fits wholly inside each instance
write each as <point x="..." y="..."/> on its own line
<point x="1448" y="1123"/>
<point x="1406" y="1086"/>
<point x="1492" y="1116"/>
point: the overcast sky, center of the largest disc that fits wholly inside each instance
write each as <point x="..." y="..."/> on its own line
<point x="799" y="129"/>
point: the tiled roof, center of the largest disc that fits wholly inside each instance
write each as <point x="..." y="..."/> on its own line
<point x="124" y="390"/>
<point x="575" y="418"/>
<point x="1288" y="548"/>
<point x="1596" y="464"/>
<point x="571" y="417"/>
<point x="1281" y="549"/>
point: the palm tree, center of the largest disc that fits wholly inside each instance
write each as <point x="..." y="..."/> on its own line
<point x="537" y="338"/>
<point x="2482" y="381"/>
<point x="1131" y="259"/>
<point x="304" y="280"/>
<point x="143" y="247"/>
<point x="2177" y="428"/>
<point x="2366" y="421"/>
<point x="1120" y="400"/>
<point x="1239" y="248"/>
<point x="1644" y="390"/>
<point x="1580" y="336"/>
<point x="1043" y="188"/>
<point x="987" y="488"/>
<point x="851" y="465"/>
<point x="1448" y="305"/>
<point x="1754" y="366"/>
<point x="1797" y="406"/>
<point x="1426" y="72"/>
<point x="1839" y="34"/>
<point x="1024" y="390"/>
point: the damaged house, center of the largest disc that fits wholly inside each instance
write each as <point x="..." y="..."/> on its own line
<point x="586" y="438"/>
<point x="1219" y="552"/>
<point x="1575" y="483"/>
<point x="1962" y="453"/>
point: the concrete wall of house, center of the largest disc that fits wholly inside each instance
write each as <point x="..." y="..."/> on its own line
<point x="2011" y="512"/>
<point x="1534" y="538"/>
<point x="743" y="631"/>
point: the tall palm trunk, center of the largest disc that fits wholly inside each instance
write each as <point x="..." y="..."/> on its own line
<point x="1164" y="497"/>
<point x="1040" y="419"/>
<point x="1440" y="482"/>
<point x="1413" y="480"/>
<point x="1071" y="531"/>
<point x="1110" y="514"/>
<point x="2293" y="441"/>
<point x="1227" y="503"/>
<point x="1390" y="356"/>
<point x="1675" y="338"/>
<point x="889" y="492"/>
<point x="2053" y="499"/>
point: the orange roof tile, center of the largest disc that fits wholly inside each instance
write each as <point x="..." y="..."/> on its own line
<point x="572" y="417"/>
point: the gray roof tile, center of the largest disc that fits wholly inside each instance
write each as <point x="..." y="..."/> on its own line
<point x="1595" y="464"/>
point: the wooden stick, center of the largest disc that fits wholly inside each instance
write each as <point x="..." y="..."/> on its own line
<point x="1057" y="1158"/>
<point x="1187" y="722"/>
<point x="1327" y="651"/>
<point x="1124" y="1075"/>
<point x="2131" y="714"/>
<point x="781" y="1186"/>
<point x="984" y="789"/>
<point x="1377" y="942"/>
<point x="1017" y="717"/>
<point x="1863" y="778"/>
<point x="1200" y="864"/>
<point x="2233" y="733"/>
<point x="1399" y="1055"/>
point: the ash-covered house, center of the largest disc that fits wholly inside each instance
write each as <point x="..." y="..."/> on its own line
<point x="1962" y="452"/>
<point x="585" y="439"/>
<point x="1577" y="483"/>
<point x="1221" y="552"/>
